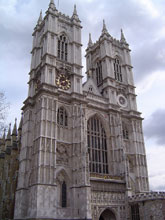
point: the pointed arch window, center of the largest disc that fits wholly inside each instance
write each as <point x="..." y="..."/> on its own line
<point x="135" y="212"/>
<point x="63" y="195"/>
<point x="99" y="75"/>
<point x="62" y="117"/>
<point x="117" y="70"/>
<point x="97" y="146"/>
<point x="62" y="48"/>
<point x="90" y="89"/>
<point x="125" y="131"/>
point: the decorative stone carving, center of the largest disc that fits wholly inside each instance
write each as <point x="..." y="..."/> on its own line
<point x="62" y="154"/>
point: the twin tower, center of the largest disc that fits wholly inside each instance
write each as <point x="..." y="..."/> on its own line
<point x="82" y="150"/>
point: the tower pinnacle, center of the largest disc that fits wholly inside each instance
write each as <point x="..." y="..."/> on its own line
<point x="75" y="15"/>
<point x="122" y="40"/>
<point x="9" y="132"/>
<point x="40" y="18"/>
<point x="51" y="4"/>
<point x="104" y="30"/>
<point x="90" y="41"/>
<point x="4" y="135"/>
<point x="14" y="132"/>
<point x="21" y="121"/>
<point x="75" y="10"/>
<point x="2" y="149"/>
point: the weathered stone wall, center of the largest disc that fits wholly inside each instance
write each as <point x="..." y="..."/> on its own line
<point x="9" y="164"/>
<point x="151" y="205"/>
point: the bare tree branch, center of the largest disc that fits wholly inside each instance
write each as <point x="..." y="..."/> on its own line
<point x="4" y="106"/>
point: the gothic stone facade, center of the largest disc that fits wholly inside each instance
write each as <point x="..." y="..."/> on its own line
<point x="82" y="150"/>
<point x="9" y="164"/>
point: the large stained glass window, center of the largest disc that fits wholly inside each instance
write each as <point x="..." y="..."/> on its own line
<point x="97" y="146"/>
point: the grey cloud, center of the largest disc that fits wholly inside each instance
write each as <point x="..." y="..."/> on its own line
<point x="157" y="188"/>
<point x="147" y="60"/>
<point x="154" y="127"/>
<point x="140" y="29"/>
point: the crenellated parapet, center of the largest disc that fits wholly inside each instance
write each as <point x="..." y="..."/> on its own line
<point x="150" y="205"/>
<point x="52" y="10"/>
<point x="122" y="43"/>
<point x="146" y="196"/>
<point x="114" y="41"/>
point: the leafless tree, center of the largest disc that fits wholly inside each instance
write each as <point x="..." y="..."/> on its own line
<point x="4" y="106"/>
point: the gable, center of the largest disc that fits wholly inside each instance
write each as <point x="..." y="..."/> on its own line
<point x="89" y="86"/>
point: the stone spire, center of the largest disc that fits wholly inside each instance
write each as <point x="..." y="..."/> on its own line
<point x="75" y="15"/>
<point x="8" y="141"/>
<point x="20" y="124"/>
<point x="75" y="10"/>
<point x="20" y="130"/>
<point x="123" y="40"/>
<point x="40" y="18"/>
<point x="3" y="141"/>
<point x="14" y="135"/>
<point x="104" y="30"/>
<point x="90" y="41"/>
<point x="9" y="133"/>
<point x="4" y="135"/>
<point x="52" y="5"/>
<point x="14" y="132"/>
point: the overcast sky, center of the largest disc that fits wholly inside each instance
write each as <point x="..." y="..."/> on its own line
<point x="143" y="22"/>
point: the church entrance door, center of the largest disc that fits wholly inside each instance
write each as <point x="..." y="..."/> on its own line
<point x="107" y="215"/>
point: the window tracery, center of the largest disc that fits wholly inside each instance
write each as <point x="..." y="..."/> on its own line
<point x="135" y="212"/>
<point x="99" y="76"/>
<point x="62" y="48"/>
<point x="117" y="70"/>
<point x="62" y="117"/>
<point x="97" y="146"/>
<point x="125" y="131"/>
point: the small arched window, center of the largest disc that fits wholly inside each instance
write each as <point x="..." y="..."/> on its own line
<point x="90" y="89"/>
<point x="117" y="70"/>
<point x="97" y="146"/>
<point x="125" y="131"/>
<point x="62" y="48"/>
<point x="63" y="195"/>
<point x="62" y="117"/>
<point x="99" y="76"/>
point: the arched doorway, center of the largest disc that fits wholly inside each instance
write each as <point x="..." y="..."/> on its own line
<point x="107" y="215"/>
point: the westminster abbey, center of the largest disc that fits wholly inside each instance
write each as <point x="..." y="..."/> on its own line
<point x="79" y="151"/>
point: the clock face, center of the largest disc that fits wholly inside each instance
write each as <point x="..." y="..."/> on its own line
<point x="63" y="82"/>
<point x="122" y="101"/>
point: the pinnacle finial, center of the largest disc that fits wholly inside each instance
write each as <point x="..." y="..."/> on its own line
<point x="104" y="30"/>
<point x="4" y="134"/>
<point x="122" y="40"/>
<point x="90" y="41"/>
<point x="9" y="132"/>
<point x="75" y="10"/>
<point x="51" y="1"/>
<point x="75" y="15"/>
<point x="15" y="128"/>
<point x="21" y="121"/>
<point x="104" y="26"/>
<point x="40" y="18"/>
<point x="51" y="4"/>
